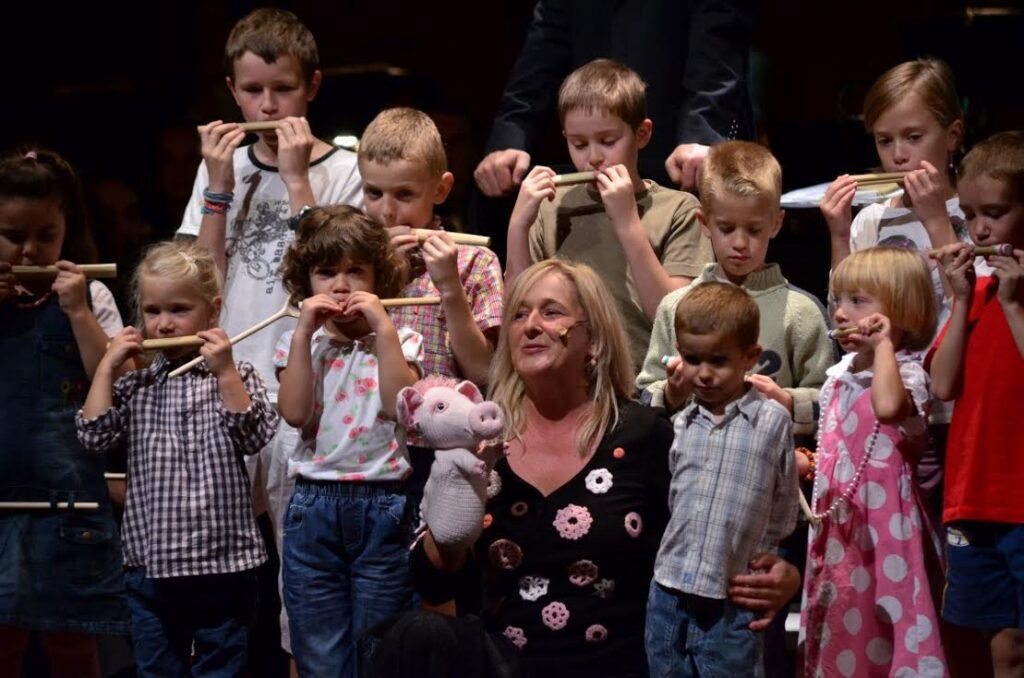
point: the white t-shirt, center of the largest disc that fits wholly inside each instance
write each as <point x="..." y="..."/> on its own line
<point x="105" y="308"/>
<point x="257" y="238"/>
<point x="347" y="438"/>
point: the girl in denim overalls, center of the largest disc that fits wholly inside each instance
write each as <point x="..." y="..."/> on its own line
<point x="60" y="568"/>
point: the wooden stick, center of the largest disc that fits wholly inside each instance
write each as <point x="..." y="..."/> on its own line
<point x="285" y="311"/>
<point x="410" y="301"/>
<point x="1002" y="250"/>
<point x="574" y="178"/>
<point x="805" y="507"/>
<point x="853" y="329"/>
<point x="290" y="311"/>
<point x="261" y="126"/>
<point x="458" y="238"/>
<point x="172" y="342"/>
<point x="46" y="506"/>
<point x="887" y="177"/>
<point x="90" y="270"/>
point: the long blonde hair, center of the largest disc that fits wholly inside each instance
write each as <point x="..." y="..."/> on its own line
<point x="609" y="379"/>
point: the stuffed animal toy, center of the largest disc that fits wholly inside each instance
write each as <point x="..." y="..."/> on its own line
<point x="452" y="418"/>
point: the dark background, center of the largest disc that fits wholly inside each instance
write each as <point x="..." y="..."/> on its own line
<point x="118" y="88"/>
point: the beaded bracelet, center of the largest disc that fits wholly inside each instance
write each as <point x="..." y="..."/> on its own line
<point x="216" y="203"/>
<point x="811" y="462"/>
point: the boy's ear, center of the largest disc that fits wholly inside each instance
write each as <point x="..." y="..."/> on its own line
<point x="644" y="133"/>
<point x="702" y="218"/>
<point x="444" y="187"/>
<point x="231" y="88"/>
<point x="314" y="85"/>
<point x="751" y="357"/>
<point x="780" y="216"/>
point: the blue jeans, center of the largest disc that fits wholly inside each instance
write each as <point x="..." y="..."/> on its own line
<point x="170" y="617"/>
<point x="692" y="636"/>
<point x="345" y="569"/>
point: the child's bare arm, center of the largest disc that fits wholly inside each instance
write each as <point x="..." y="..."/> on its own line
<point x="295" y="142"/>
<point x="947" y="364"/>
<point x="394" y="372"/>
<point x="1010" y="272"/>
<point x="218" y="141"/>
<point x="295" y="396"/>
<point x="652" y="281"/>
<point x="473" y="348"/>
<point x="539" y="185"/>
<point x="71" y="289"/>
<point x="890" y="398"/>
<point x="837" y="209"/>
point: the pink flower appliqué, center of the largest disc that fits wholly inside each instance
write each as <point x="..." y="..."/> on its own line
<point x="516" y="636"/>
<point x="573" y="521"/>
<point x="356" y="432"/>
<point x="340" y="397"/>
<point x="596" y="633"/>
<point x="555" y="616"/>
<point x="392" y="446"/>
<point x="582" y="573"/>
<point x="372" y="362"/>
<point x="279" y="354"/>
<point x="369" y="382"/>
<point x="634" y="524"/>
<point x="347" y="420"/>
<point x="337" y="364"/>
<point x="505" y="554"/>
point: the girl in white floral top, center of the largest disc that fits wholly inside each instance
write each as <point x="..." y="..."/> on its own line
<point x="346" y="529"/>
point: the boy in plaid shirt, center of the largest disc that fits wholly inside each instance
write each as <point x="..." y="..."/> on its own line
<point x="733" y="494"/>
<point x="404" y="169"/>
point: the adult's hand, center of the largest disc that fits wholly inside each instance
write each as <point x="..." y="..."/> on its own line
<point x="500" y="172"/>
<point x="685" y="163"/>
<point x="773" y="585"/>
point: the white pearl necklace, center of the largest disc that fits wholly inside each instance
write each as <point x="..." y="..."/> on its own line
<point x="847" y="494"/>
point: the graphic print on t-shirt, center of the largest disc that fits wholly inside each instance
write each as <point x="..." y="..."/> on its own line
<point x="257" y="240"/>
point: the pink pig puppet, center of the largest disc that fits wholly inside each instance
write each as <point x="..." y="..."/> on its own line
<point x="453" y="418"/>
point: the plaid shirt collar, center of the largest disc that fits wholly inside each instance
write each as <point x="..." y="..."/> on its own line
<point x="747" y="405"/>
<point x="161" y="366"/>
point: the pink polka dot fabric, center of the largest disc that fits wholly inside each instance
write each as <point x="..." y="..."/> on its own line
<point x="869" y="607"/>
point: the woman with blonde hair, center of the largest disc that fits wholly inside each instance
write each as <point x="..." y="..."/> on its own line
<point x="576" y="508"/>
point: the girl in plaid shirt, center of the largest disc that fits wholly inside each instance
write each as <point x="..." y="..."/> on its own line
<point x="347" y="527"/>
<point x="190" y="537"/>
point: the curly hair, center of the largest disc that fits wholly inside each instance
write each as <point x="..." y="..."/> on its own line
<point x="326" y="235"/>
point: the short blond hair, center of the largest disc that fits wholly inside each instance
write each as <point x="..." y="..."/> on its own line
<point x="741" y="168"/>
<point x="1000" y="157"/>
<point x="404" y="134"/>
<point x="271" y="33"/>
<point x="930" y="79"/>
<point x="899" y="278"/>
<point x="604" y="85"/>
<point x="609" y="380"/>
<point x="714" y="307"/>
<point x="181" y="261"/>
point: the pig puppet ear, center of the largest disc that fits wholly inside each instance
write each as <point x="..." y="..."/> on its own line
<point x="409" y="400"/>
<point x="469" y="389"/>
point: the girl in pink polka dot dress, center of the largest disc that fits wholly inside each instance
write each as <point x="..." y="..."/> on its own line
<point x="873" y="557"/>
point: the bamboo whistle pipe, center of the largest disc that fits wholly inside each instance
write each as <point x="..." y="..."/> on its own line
<point x="90" y="271"/>
<point x="289" y="311"/>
